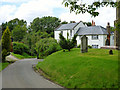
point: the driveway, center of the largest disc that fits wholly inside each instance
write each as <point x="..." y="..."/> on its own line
<point x="21" y="75"/>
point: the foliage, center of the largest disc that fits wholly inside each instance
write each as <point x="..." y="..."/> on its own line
<point x="45" y="24"/>
<point x="89" y="46"/>
<point x="4" y="54"/>
<point x="46" y="46"/>
<point x="20" y="48"/>
<point x="67" y="43"/>
<point x="64" y="22"/>
<point x="3" y="66"/>
<point x="117" y="25"/>
<point x="24" y="55"/>
<point x="95" y="69"/>
<point x="31" y="38"/>
<point x="13" y="23"/>
<point x="88" y="23"/>
<point x="79" y="46"/>
<point x="6" y="43"/>
<point x="18" y="33"/>
<point x="83" y="7"/>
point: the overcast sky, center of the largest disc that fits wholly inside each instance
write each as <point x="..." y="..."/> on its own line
<point x="30" y="9"/>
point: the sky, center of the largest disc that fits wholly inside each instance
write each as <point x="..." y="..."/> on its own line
<point x="31" y="9"/>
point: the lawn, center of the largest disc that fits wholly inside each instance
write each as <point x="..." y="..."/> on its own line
<point x="95" y="69"/>
<point x="24" y="55"/>
<point x="3" y="66"/>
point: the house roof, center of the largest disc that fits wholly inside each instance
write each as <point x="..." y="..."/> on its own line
<point x="92" y="30"/>
<point x="69" y="26"/>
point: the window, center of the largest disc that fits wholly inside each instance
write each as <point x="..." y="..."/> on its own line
<point x="70" y="32"/>
<point x="94" y="37"/>
<point x="94" y="46"/>
<point x="62" y="32"/>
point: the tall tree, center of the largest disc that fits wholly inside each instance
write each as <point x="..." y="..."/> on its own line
<point x="6" y="43"/>
<point x="18" y="33"/>
<point x="45" y="24"/>
<point x="13" y="23"/>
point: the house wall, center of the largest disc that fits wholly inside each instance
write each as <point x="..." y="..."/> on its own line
<point x="56" y="34"/>
<point x="112" y="40"/>
<point x="100" y="41"/>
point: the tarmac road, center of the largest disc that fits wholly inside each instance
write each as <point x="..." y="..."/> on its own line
<point x="21" y="75"/>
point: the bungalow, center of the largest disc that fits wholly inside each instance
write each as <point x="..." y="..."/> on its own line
<point x="98" y="36"/>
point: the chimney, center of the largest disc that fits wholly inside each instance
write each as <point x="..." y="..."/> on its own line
<point x="93" y="23"/>
<point x="108" y="36"/>
<point x="108" y="28"/>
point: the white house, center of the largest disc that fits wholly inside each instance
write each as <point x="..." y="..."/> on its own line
<point x="97" y="35"/>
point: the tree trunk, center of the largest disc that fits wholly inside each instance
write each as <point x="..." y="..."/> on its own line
<point x="117" y="32"/>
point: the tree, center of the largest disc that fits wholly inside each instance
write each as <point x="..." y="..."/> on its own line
<point x="45" y="24"/>
<point x="6" y="43"/>
<point x="64" y="22"/>
<point x="91" y="9"/>
<point x="18" y="33"/>
<point x="46" y="46"/>
<point x="67" y="43"/>
<point x="87" y="23"/>
<point x="13" y="23"/>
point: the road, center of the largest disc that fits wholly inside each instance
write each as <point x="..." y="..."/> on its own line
<point x="21" y="75"/>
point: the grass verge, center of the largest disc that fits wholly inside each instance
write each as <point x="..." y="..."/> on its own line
<point x="95" y="69"/>
<point x="24" y="55"/>
<point x="3" y="65"/>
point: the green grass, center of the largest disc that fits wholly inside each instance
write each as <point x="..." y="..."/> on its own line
<point x="95" y="69"/>
<point x="3" y="66"/>
<point x="24" y="55"/>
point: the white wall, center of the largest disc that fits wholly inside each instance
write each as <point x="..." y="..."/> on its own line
<point x="112" y="40"/>
<point x="100" y="41"/>
<point x="56" y="35"/>
<point x="78" y="40"/>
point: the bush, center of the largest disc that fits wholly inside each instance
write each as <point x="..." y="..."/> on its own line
<point x="79" y="46"/>
<point x="89" y="46"/>
<point x="20" y="48"/>
<point x="47" y="46"/>
<point x="67" y="43"/>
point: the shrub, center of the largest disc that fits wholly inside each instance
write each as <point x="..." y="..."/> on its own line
<point x="47" y="46"/>
<point x="67" y="43"/>
<point x="20" y="48"/>
<point x="89" y="46"/>
<point x="79" y="46"/>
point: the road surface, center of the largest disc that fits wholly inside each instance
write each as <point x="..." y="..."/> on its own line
<point x="21" y="75"/>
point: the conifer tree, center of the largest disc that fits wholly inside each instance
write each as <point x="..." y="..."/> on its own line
<point x="6" y="43"/>
<point x="67" y="43"/>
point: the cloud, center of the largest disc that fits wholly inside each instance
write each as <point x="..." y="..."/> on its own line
<point x="13" y="1"/>
<point x="6" y="12"/>
<point x="32" y="9"/>
<point x="107" y="14"/>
